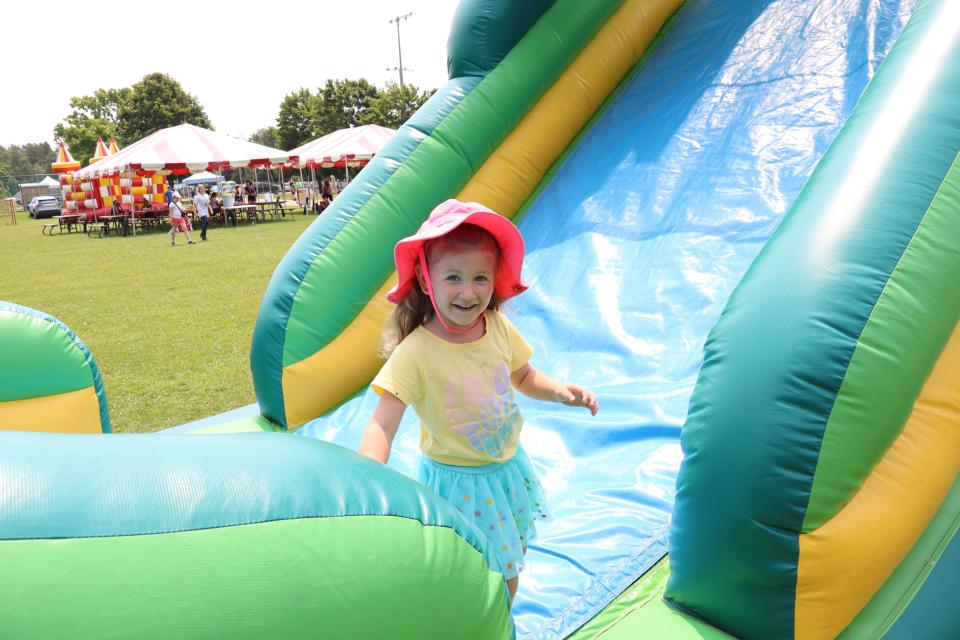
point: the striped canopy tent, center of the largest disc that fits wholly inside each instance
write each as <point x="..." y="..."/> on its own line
<point x="352" y="147"/>
<point x="186" y="149"/>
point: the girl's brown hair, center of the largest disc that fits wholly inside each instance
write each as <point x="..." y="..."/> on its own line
<point x="415" y="309"/>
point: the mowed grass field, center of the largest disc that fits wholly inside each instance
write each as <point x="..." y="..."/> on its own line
<point x="170" y="327"/>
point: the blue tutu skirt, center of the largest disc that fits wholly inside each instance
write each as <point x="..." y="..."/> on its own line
<point x="503" y="499"/>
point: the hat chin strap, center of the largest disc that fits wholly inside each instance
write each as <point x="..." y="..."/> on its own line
<point x="433" y="301"/>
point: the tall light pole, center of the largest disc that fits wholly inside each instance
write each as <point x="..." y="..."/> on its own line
<point x="399" y="50"/>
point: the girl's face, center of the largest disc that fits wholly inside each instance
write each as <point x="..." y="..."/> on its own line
<point x="462" y="280"/>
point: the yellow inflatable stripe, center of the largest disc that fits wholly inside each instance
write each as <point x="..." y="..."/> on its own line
<point x="509" y="176"/>
<point x="505" y="180"/>
<point x="72" y="412"/>
<point x="845" y="561"/>
<point x="349" y="361"/>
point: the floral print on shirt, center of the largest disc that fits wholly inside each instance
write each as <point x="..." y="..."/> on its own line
<point x="483" y="408"/>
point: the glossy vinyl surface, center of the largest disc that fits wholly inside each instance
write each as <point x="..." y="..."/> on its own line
<point x="634" y="244"/>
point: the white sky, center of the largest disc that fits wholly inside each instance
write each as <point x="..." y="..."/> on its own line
<point x="238" y="58"/>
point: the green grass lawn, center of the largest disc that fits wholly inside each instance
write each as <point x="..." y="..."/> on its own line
<point x="170" y="327"/>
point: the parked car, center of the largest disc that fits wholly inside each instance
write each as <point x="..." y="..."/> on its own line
<point x="44" y="207"/>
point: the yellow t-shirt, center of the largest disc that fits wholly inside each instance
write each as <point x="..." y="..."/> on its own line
<point x="461" y="392"/>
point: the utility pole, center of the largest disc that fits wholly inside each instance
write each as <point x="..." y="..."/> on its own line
<point x="399" y="50"/>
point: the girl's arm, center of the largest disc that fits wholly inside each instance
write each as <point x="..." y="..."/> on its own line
<point x="538" y="385"/>
<point x="378" y="436"/>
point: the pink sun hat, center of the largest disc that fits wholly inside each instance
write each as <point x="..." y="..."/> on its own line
<point x="446" y="217"/>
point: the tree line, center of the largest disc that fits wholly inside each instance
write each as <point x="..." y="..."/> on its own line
<point x="19" y="162"/>
<point x="306" y="115"/>
<point x="158" y="101"/>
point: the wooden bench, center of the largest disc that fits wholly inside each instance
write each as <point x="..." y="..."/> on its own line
<point x="70" y="222"/>
<point x="98" y="228"/>
<point x="49" y="227"/>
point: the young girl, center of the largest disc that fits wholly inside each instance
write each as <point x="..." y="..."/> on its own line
<point x="457" y="359"/>
<point x="178" y="220"/>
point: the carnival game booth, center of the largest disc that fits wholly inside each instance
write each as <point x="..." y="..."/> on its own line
<point x="136" y="173"/>
<point x="741" y="232"/>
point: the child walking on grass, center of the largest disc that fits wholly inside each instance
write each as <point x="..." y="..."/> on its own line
<point x="457" y="360"/>
<point x="178" y="220"/>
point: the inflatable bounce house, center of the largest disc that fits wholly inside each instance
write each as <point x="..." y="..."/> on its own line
<point x="94" y="197"/>
<point x="743" y="233"/>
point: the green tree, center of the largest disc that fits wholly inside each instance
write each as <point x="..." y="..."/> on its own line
<point x="92" y="116"/>
<point x="394" y="105"/>
<point x="342" y="105"/>
<point x="339" y="104"/>
<point x="26" y="161"/>
<point x="266" y="136"/>
<point x="157" y="102"/>
<point x="7" y="181"/>
<point x="295" y="123"/>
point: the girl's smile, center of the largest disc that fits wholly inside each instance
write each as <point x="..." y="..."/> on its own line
<point x="462" y="281"/>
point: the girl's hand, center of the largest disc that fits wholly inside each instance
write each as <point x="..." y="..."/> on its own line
<point x="574" y="395"/>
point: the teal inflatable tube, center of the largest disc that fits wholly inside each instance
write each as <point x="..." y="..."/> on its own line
<point x="788" y="335"/>
<point x="243" y="536"/>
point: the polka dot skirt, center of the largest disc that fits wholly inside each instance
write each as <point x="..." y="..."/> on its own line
<point x="504" y="500"/>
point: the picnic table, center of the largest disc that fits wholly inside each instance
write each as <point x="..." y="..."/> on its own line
<point x="234" y="211"/>
<point x="155" y="216"/>
<point x="275" y="208"/>
<point x="103" y="225"/>
<point x="68" y="221"/>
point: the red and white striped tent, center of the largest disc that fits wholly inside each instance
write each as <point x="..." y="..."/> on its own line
<point x="353" y="147"/>
<point x="186" y="149"/>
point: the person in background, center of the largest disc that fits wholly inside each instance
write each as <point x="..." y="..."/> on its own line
<point x="201" y="204"/>
<point x="169" y="194"/>
<point x="178" y="221"/>
<point x="319" y="207"/>
<point x="237" y="201"/>
<point x="216" y="205"/>
<point x="116" y="209"/>
<point x="251" y="192"/>
<point x="326" y="189"/>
